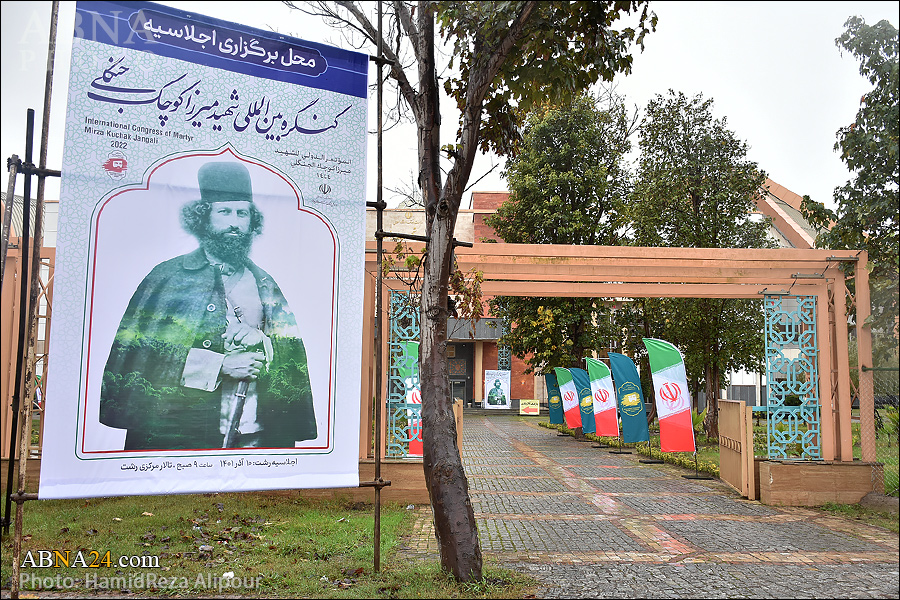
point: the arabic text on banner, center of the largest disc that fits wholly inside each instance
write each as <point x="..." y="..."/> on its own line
<point x="194" y="350"/>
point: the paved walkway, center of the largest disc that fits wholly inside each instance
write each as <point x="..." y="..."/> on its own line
<point x="591" y="524"/>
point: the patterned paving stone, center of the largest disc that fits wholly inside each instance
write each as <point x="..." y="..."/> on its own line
<point x="502" y="470"/>
<point x="556" y="535"/>
<point x="590" y="524"/>
<point x="639" y="580"/>
<point x="698" y="505"/>
<point x="731" y="536"/>
<point x="534" y="504"/>
<point x="512" y="484"/>
<point x="496" y="460"/>
<point x="650" y="486"/>
<point x="598" y="461"/>
<point x="607" y="471"/>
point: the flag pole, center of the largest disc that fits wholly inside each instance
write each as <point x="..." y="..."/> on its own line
<point x="620" y="451"/>
<point x="696" y="474"/>
<point x="651" y="460"/>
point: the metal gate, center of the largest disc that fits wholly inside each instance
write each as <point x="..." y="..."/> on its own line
<point x="792" y="378"/>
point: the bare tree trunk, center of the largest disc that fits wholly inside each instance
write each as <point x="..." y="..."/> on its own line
<point x="646" y="372"/>
<point x="711" y="422"/>
<point x="445" y="478"/>
<point x="448" y="487"/>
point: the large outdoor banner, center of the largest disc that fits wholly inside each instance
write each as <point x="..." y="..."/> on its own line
<point x="209" y="273"/>
<point x="409" y="375"/>
<point x="606" y="416"/>
<point x="569" y="394"/>
<point x="673" y="403"/>
<point x="630" y="398"/>
<point x="585" y="399"/>
<point x="496" y="389"/>
<point x="554" y="399"/>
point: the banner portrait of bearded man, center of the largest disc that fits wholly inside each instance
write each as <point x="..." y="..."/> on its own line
<point x="208" y="354"/>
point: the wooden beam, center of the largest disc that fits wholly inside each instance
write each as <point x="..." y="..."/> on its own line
<point x="864" y="350"/>
<point x="539" y="270"/>
<point x="840" y="343"/>
<point x="630" y="290"/>
<point x="367" y="387"/>
<point x="823" y="339"/>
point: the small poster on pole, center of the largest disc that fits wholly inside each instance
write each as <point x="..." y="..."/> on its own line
<point x="496" y="385"/>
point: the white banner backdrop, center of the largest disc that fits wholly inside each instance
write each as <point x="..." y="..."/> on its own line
<point x="496" y="389"/>
<point x="208" y="288"/>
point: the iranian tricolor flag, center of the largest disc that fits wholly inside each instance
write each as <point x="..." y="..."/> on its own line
<point x="673" y="405"/>
<point x="605" y="414"/>
<point x="569" y="397"/>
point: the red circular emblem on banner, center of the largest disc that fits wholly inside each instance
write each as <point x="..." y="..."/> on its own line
<point x="601" y="395"/>
<point x="116" y="165"/>
<point x="670" y="393"/>
<point x="570" y="397"/>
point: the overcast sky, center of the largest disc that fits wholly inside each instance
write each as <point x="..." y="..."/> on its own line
<point x="772" y="69"/>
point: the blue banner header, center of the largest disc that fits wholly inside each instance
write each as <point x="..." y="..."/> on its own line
<point x="193" y="38"/>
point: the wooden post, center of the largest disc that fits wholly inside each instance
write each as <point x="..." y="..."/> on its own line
<point x="826" y="406"/>
<point x="458" y="415"/>
<point x="864" y="350"/>
<point x="843" y="401"/>
<point x="384" y="335"/>
<point x="478" y="373"/>
<point x="367" y="387"/>
<point x="7" y="213"/>
<point x="749" y="454"/>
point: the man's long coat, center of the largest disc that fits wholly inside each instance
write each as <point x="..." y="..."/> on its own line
<point x="181" y="305"/>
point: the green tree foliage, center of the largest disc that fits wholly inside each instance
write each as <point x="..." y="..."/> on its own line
<point x="507" y="56"/>
<point x="696" y="189"/>
<point x="867" y="214"/>
<point x="568" y="183"/>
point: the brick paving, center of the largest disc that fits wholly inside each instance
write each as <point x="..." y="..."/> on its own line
<point x="591" y="524"/>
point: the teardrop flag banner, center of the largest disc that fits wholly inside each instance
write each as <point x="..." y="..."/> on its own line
<point x="409" y="374"/>
<point x="554" y="400"/>
<point x="569" y="395"/>
<point x="630" y="399"/>
<point x="603" y="393"/>
<point x="673" y="405"/>
<point x="585" y="400"/>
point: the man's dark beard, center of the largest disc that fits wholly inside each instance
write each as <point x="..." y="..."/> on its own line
<point x="233" y="247"/>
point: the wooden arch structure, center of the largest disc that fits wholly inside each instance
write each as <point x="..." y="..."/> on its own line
<point x="635" y="272"/>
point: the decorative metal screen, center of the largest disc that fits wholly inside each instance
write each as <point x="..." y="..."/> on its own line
<point x="404" y="327"/>
<point x="504" y="356"/>
<point x="792" y="378"/>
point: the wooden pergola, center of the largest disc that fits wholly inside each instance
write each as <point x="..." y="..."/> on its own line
<point x="638" y="272"/>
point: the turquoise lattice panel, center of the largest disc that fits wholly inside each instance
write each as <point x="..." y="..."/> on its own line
<point x="402" y="372"/>
<point x="504" y="355"/>
<point x="792" y="378"/>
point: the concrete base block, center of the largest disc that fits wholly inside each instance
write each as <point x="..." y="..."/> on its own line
<point x="809" y="483"/>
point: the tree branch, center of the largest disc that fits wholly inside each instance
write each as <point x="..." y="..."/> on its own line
<point x="371" y="32"/>
<point x="479" y="84"/>
<point x="405" y="18"/>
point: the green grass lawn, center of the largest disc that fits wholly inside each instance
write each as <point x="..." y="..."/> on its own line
<point x="252" y="544"/>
